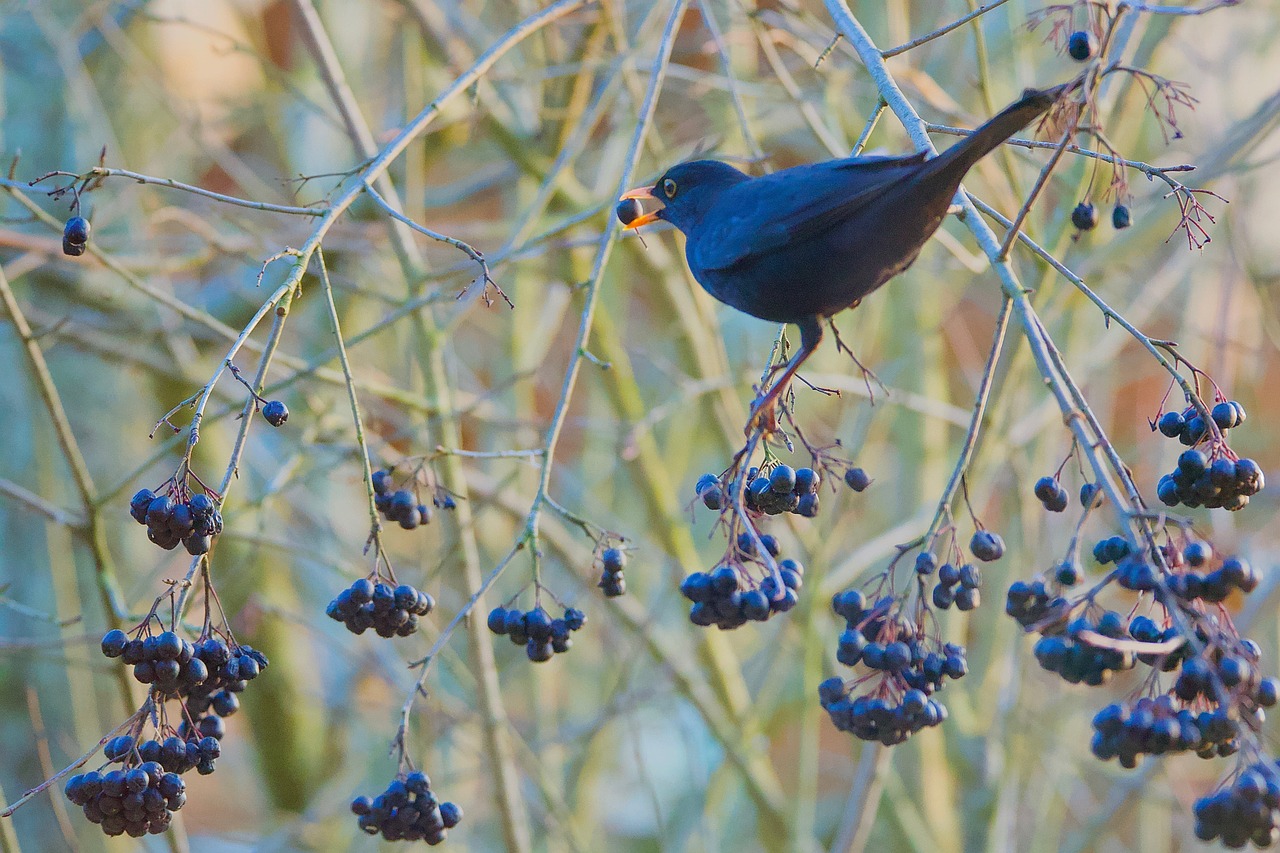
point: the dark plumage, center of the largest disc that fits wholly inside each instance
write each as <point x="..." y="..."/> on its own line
<point x="802" y="244"/>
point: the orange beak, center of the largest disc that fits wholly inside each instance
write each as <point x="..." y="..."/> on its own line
<point x="645" y="219"/>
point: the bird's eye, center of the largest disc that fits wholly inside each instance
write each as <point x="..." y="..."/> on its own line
<point x="669" y="188"/>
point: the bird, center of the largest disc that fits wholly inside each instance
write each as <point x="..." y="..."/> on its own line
<point x="802" y="244"/>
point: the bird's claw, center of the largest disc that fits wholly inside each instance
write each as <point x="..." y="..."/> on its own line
<point x="763" y="416"/>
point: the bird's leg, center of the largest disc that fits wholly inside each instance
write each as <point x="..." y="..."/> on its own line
<point x="763" y="410"/>
<point x="867" y="373"/>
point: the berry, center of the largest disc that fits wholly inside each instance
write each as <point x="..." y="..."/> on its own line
<point x="807" y="481"/>
<point x="1085" y="216"/>
<point x="1197" y="553"/>
<point x="1081" y="45"/>
<point x="613" y="586"/>
<point x="628" y="210"/>
<point x="75" y="234"/>
<point x="113" y="643"/>
<point x="986" y="546"/>
<point x="1224" y="415"/>
<point x="1121" y="218"/>
<point x="1051" y="494"/>
<point x="782" y="479"/>
<point x="967" y="598"/>
<point x="857" y="479"/>
<point x="275" y="413"/>
<point x="613" y="560"/>
<point x="1171" y="424"/>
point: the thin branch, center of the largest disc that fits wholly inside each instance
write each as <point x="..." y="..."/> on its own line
<point x="486" y="281"/>
<point x="1153" y="9"/>
<point x="97" y="173"/>
<point x="79" y="762"/>
<point x="942" y="31"/>
<point x="1160" y="172"/>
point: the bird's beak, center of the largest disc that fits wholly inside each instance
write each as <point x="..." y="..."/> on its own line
<point x="644" y="219"/>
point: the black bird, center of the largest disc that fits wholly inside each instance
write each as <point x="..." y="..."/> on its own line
<point x="802" y="244"/>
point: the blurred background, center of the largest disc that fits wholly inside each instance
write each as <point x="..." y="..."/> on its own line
<point x="621" y="743"/>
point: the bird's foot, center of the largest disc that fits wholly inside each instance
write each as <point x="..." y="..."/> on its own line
<point x="763" y="417"/>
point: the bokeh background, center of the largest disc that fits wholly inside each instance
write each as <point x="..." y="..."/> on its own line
<point x="614" y="745"/>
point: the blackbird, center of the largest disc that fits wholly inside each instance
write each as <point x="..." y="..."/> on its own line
<point x="802" y="244"/>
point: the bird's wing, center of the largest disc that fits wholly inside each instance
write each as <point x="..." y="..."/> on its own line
<point x="764" y="214"/>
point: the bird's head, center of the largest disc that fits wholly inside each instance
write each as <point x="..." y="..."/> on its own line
<point x="687" y="191"/>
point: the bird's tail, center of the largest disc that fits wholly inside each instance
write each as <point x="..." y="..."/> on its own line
<point x="959" y="158"/>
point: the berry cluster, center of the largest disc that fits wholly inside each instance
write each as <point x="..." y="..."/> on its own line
<point x="1244" y="812"/>
<point x="907" y="668"/>
<point x="958" y="585"/>
<point x="612" y="583"/>
<point x="1210" y="481"/>
<point x="403" y="505"/>
<point x="175" y="667"/>
<point x="1155" y="726"/>
<point x="730" y="597"/>
<point x="1085" y="217"/>
<point x="137" y="800"/>
<point x="231" y="668"/>
<point x="174" y="754"/>
<point x="1214" y="706"/>
<point x="1051" y="494"/>
<point x="408" y="810"/>
<point x="1169" y="723"/>
<point x="541" y="635"/>
<point x="1213" y="479"/>
<point x="773" y="492"/>
<point x="1065" y="651"/>
<point x="1214" y="586"/>
<point x="1031" y="604"/>
<point x="171" y="520"/>
<point x="389" y="611"/>
<point x="75" y="238"/>
<point x="1189" y="427"/>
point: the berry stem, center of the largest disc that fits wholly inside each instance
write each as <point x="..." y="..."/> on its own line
<point x="375" y="525"/>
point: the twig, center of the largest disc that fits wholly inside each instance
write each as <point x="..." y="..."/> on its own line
<point x="1042" y="179"/>
<point x="1152" y="9"/>
<point x="1160" y="172"/>
<point x="1109" y="314"/>
<point x="100" y="172"/>
<point x="486" y="281"/>
<point x="942" y="31"/>
<point x="79" y="762"/>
